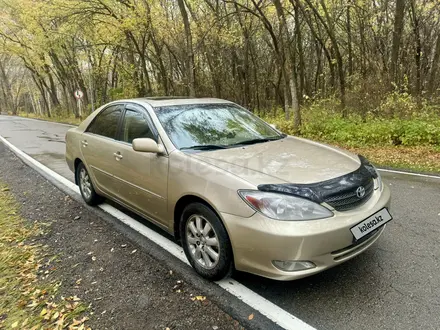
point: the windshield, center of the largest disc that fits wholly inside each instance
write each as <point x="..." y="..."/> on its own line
<point x="213" y="125"/>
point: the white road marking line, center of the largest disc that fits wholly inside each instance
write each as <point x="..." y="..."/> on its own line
<point x="409" y="173"/>
<point x="265" y="307"/>
<point x="21" y="154"/>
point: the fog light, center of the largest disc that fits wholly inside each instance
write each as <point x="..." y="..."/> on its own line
<point x="293" y="266"/>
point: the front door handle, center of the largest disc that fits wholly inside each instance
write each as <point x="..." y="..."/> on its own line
<point x="84" y="143"/>
<point x="118" y="155"/>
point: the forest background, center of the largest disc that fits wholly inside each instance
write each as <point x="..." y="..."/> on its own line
<point x="361" y="74"/>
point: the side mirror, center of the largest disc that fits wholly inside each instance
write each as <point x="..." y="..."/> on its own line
<point x="147" y="145"/>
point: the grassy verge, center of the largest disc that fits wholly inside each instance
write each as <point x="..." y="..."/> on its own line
<point x="410" y="144"/>
<point x="71" y="120"/>
<point x="418" y="159"/>
<point x="29" y="296"/>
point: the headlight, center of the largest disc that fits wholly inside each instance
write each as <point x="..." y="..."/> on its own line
<point x="284" y="207"/>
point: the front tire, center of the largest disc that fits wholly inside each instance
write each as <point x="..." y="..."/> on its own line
<point x="86" y="188"/>
<point x="206" y="242"/>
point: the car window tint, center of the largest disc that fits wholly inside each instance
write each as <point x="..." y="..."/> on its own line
<point x="106" y="123"/>
<point x="135" y="126"/>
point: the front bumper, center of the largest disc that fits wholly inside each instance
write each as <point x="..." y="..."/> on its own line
<point x="258" y="240"/>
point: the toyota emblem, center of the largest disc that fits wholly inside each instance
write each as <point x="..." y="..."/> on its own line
<point x="360" y="192"/>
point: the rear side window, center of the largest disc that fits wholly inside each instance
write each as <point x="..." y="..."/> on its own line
<point x="135" y="126"/>
<point x="106" y="123"/>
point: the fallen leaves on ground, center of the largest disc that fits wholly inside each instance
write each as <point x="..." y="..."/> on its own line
<point x="198" y="298"/>
<point x="251" y="317"/>
<point x="30" y="302"/>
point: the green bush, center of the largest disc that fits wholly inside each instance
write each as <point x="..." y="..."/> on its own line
<point x="399" y="104"/>
<point x="354" y="133"/>
<point x="413" y="127"/>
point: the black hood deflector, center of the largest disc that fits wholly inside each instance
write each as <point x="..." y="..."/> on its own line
<point x="319" y="192"/>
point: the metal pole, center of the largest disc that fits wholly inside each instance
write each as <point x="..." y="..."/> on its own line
<point x="79" y="107"/>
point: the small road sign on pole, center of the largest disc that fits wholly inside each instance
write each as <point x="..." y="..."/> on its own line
<point x="79" y="95"/>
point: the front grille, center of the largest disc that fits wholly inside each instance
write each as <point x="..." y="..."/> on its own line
<point x="349" y="200"/>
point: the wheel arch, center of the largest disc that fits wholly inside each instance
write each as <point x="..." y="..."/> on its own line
<point x="180" y="206"/>
<point x="75" y="166"/>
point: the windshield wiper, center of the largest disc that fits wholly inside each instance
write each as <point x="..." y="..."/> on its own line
<point x="204" y="147"/>
<point x="258" y="140"/>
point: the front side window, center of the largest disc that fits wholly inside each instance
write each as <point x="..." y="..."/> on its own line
<point x="216" y="125"/>
<point x="135" y="126"/>
<point x="106" y="122"/>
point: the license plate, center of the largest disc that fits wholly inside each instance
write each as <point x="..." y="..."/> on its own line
<point x="370" y="224"/>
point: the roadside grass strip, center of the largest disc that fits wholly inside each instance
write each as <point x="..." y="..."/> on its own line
<point x="29" y="295"/>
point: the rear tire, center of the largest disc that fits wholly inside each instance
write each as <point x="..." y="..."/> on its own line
<point x="206" y="242"/>
<point x="86" y="188"/>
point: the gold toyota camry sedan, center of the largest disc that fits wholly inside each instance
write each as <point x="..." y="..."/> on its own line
<point x="236" y="192"/>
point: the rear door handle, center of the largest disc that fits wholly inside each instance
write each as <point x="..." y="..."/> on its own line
<point x="118" y="155"/>
<point x="84" y="143"/>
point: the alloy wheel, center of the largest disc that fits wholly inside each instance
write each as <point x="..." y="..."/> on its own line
<point x="85" y="183"/>
<point x="202" y="241"/>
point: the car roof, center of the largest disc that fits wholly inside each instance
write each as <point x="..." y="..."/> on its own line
<point x="163" y="101"/>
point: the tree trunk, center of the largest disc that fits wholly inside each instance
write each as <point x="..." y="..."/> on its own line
<point x="216" y="81"/>
<point x="434" y="67"/>
<point x="189" y="50"/>
<point x="303" y="88"/>
<point x="162" y="71"/>
<point x="418" y="52"/>
<point x="137" y="77"/>
<point x="321" y="43"/>
<point x="246" y="64"/>
<point x="288" y="65"/>
<point x="349" y="42"/>
<point x="51" y="88"/>
<point x="6" y="89"/>
<point x="397" y="35"/>
<point x="318" y="71"/>
<point x="329" y="26"/>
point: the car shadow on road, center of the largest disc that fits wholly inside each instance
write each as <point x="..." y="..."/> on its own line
<point x="342" y="289"/>
<point x="141" y="220"/>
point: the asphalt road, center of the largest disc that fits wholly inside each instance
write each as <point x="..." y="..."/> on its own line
<point x="393" y="285"/>
<point x="42" y="140"/>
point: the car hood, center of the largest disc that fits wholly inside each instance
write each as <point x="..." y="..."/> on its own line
<point x="292" y="159"/>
